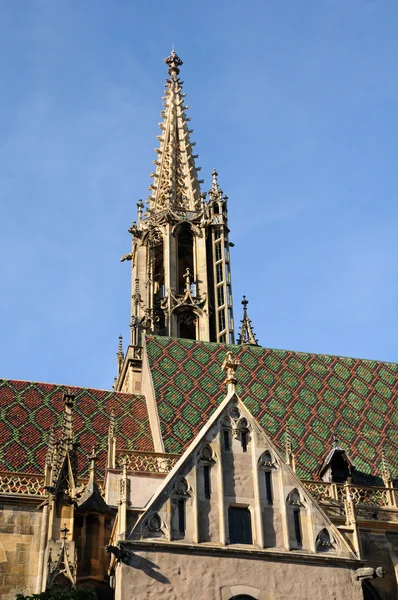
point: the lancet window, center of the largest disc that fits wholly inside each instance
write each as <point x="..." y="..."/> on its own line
<point x="294" y="509"/>
<point x="185" y="256"/>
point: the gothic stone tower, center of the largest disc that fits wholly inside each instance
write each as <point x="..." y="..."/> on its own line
<point x="181" y="277"/>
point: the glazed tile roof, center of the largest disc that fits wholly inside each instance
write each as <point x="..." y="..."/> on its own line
<point x="29" y="410"/>
<point x="313" y="394"/>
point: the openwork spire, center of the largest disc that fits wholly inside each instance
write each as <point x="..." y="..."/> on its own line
<point x="175" y="181"/>
<point x="246" y="333"/>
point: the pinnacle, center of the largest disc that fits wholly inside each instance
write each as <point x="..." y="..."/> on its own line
<point x="246" y="334"/>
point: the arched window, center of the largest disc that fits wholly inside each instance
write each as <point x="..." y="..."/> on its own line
<point x="294" y="506"/>
<point x="266" y="464"/>
<point x="323" y="542"/>
<point x="180" y="497"/>
<point x="186" y="324"/>
<point x="184" y="257"/>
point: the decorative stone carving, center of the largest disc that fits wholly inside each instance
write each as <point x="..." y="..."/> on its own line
<point x="206" y="456"/>
<point x="265" y="461"/>
<point x="230" y="365"/>
<point x="323" y="542"/>
<point x="369" y="573"/>
<point x="154" y="523"/>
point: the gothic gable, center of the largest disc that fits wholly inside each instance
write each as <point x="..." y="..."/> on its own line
<point x="232" y="487"/>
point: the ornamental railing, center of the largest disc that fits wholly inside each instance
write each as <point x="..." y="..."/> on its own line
<point x="381" y="497"/>
<point x="29" y="484"/>
<point x="148" y="462"/>
<point x="22" y="483"/>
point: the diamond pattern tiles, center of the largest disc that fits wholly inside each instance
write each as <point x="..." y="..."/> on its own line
<point x="29" y="410"/>
<point x="311" y="393"/>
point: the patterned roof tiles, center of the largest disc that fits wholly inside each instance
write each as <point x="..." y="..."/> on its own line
<point x="313" y="394"/>
<point x="29" y="410"/>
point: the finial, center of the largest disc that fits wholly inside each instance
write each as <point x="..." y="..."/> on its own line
<point x="64" y="531"/>
<point x="68" y="398"/>
<point x="246" y="334"/>
<point x="230" y="365"/>
<point x="335" y="443"/>
<point x="93" y="459"/>
<point x="140" y="209"/>
<point x="112" y="423"/>
<point x="120" y="347"/>
<point x="173" y="62"/>
<point x="289" y="456"/>
<point x="215" y="192"/>
<point x="385" y="469"/>
<point x="288" y="442"/>
<point x="51" y="444"/>
<point x="93" y="456"/>
<point x="66" y="434"/>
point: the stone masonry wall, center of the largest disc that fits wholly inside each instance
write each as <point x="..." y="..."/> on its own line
<point x="182" y="576"/>
<point x="19" y="549"/>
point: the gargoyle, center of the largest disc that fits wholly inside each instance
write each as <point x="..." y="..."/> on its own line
<point x="128" y="256"/>
<point x="121" y="554"/>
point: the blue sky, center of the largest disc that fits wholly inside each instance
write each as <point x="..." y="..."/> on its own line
<point x="295" y="104"/>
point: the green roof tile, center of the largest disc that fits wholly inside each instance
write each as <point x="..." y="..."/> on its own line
<point x="314" y="394"/>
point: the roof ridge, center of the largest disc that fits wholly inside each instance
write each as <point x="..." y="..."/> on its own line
<point x="259" y="348"/>
<point x="67" y="385"/>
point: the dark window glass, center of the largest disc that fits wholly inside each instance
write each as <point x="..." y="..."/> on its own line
<point x="220" y="296"/>
<point x="340" y="471"/>
<point x="268" y="486"/>
<point x="221" y="320"/>
<point x="244" y="440"/>
<point x="185" y="257"/>
<point x="240" y="528"/>
<point x="218" y="251"/>
<point x="219" y="273"/>
<point x="297" y="527"/>
<point x="226" y="439"/>
<point x="206" y="480"/>
<point x="181" y="516"/>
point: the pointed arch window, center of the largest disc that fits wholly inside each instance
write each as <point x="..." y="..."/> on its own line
<point x="294" y="508"/>
<point x="206" y="461"/>
<point x="323" y="542"/>
<point x="184" y="256"/>
<point x="180" y="496"/>
<point x="267" y="465"/>
<point x="186" y="324"/>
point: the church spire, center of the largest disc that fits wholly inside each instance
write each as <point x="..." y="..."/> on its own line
<point x="180" y="257"/>
<point x="175" y="182"/>
<point x="246" y="334"/>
